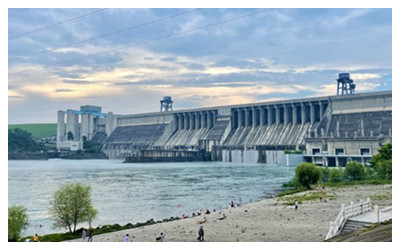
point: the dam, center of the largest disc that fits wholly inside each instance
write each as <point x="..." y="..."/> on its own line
<point x="328" y="130"/>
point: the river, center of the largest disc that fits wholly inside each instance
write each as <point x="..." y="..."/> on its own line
<point x="131" y="193"/>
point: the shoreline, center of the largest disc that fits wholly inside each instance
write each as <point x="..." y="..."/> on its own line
<point x="268" y="220"/>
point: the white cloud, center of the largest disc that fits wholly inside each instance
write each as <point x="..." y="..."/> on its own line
<point x="342" y="20"/>
<point x="364" y="76"/>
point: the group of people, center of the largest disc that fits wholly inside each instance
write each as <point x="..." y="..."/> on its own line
<point x="160" y="238"/>
<point x="199" y="212"/>
<point x="90" y="235"/>
<point x="231" y="204"/>
<point x="200" y="235"/>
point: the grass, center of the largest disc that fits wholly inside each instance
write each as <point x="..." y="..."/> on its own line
<point x="312" y="196"/>
<point x="38" y="130"/>
<point x="370" y="228"/>
<point x="291" y="191"/>
<point x="334" y="185"/>
<point x="381" y="197"/>
<point x="349" y="183"/>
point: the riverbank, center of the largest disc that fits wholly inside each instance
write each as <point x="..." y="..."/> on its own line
<point x="27" y="156"/>
<point x="271" y="220"/>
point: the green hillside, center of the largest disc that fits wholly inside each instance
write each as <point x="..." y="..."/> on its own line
<point x="38" y="130"/>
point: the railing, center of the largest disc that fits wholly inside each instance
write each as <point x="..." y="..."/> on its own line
<point x="347" y="212"/>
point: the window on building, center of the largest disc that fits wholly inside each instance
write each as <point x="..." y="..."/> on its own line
<point x="316" y="151"/>
<point x="365" y="151"/>
<point x="339" y="151"/>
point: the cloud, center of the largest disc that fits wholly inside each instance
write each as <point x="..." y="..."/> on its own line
<point x="283" y="53"/>
<point x="343" y="19"/>
<point x="64" y="90"/>
<point x="364" y="76"/>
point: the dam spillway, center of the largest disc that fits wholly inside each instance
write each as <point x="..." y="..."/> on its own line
<point x="255" y="132"/>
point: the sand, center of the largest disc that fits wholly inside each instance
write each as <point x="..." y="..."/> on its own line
<point x="269" y="220"/>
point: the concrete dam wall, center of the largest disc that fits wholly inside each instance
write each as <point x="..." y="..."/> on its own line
<point x="256" y="132"/>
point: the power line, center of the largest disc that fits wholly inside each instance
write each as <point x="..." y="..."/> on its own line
<point x="156" y="39"/>
<point x="59" y="23"/>
<point x="104" y="35"/>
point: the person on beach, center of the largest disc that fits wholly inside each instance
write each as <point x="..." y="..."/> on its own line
<point x="201" y="234"/>
<point x="207" y="212"/>
<point x="199" y="212"/>
<point x="296" y="206"/>
<point x="127" y="238"/>
<point x="222" y="218"/>
<point x="202" y="221"/>
<point x="83" y="234"/>
<point x="184" y="216"/>
<point x="90" y="237"/>
<point x="36" y="238"/>
<point x="160" y="238"/>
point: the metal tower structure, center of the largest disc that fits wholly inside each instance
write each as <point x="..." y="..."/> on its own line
<point x="345" y="84"/>
<point x="166" y="104"/>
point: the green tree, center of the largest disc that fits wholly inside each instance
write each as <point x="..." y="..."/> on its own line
<point x="324" y="174"/>
<point x="385" y="153"/>
<point x="70" y="136"/>
<point x="70" y="205"/>
<point x="382" y="162"/>
<point x="92" y="147"/>
<point x="17" y="221"/>
<point x="21" y="140"/>
<point x="355" y="171"/>
<point x="384" y="169"/>
<point x="307" y="174"/>
<point x="91" y="215"/>
<point x="335" y="175"/>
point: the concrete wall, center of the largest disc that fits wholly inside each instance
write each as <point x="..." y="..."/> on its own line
<point x="377" y="101"/>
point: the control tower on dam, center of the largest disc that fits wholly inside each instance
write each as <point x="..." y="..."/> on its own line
<point x="253" y="133"/>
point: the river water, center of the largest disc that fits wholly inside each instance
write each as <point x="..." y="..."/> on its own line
<point x="130" y="193"/>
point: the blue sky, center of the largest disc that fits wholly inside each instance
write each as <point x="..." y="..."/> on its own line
<point x="200" y="57"/>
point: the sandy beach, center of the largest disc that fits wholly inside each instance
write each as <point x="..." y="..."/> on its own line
<point x="270" y="220"/>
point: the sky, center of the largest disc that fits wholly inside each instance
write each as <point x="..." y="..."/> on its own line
<point x="126" y="59"/>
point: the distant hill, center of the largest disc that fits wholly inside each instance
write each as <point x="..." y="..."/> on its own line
<point x="38" y="130"/>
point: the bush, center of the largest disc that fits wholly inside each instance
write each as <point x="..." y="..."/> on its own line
<point x="355" y="171"/>
<point x="17" y="221"/>
<point x="335" y="175"/>
<point x="293" y="183"/>
<point x="307" y="174"/>
<point x="382" y="162"/>
<point x="384" y="169"/>
<point x="324" y="174"/>
<point x="385" y="154"/>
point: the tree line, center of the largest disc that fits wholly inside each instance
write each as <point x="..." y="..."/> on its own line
<point x="21" y="140"/>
